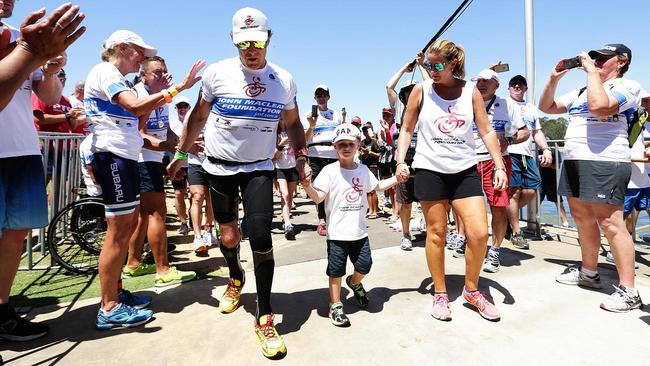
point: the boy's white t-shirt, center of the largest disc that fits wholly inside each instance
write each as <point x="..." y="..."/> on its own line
<point x="346" y="201"/>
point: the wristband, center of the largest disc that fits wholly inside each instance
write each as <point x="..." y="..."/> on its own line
<point x="547" y="149"/>
<point x="501" y="169"/>
<point x="167" y="96"/>
<point x="300" y="152"/>
<point x="68" y="116"/>
<point x="172" y="91"/>
<point x="180" y="154"/>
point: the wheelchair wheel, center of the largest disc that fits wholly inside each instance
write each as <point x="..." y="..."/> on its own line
<point x="76" y="234"/>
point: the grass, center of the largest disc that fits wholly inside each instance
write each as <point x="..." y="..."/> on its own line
<point x="41" y="287"/>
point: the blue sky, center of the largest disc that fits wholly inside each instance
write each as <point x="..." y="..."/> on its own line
<point x="356" y="46"/>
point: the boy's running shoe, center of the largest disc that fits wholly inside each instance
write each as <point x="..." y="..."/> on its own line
<point x="230" y="300"/>
<point x="122" y="316"/>
<point x="337" y="315"/>
<point x="358" y="291"/>
<point x="272" y="343"/>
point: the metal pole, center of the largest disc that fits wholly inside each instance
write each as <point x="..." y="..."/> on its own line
<point x="533" y="208"/>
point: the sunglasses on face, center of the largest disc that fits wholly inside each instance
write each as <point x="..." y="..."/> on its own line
<point x="260" y="45"/>
<point x="182" y="106"/>
<point x="320" y="95"/>
<point x="439" y="66"/>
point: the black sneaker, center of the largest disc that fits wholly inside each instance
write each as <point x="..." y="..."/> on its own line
<point x="337" y="316"/>
<point x="358" y="291"/>
<point x="14" y="328"/>
<point x="460" y="252"/>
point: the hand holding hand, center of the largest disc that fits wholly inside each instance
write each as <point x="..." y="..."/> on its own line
<point x="546" y="159"/>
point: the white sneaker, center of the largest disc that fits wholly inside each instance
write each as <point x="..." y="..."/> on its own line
<point x="622" y="300"/>
<point x="406" y="244"/>
<point x="574" y="276"/>
<point x="209" y="239"/>
<point x="199" y="245"/>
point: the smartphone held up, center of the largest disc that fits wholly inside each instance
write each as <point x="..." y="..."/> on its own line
<point x="568" y="63"/>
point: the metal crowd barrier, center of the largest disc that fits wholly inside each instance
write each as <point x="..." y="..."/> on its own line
<point x="62" y="169"/>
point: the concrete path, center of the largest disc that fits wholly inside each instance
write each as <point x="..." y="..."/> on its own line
<point x="543" y="322"/>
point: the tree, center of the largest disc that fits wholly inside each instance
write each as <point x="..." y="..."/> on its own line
<point x="554" y="128"/>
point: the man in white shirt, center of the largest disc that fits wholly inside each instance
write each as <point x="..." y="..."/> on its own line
<point x="510" y="128"/>
<point x="243" y="99"/>
<point x="319" y="134"/>
<point x="525" y="180"/>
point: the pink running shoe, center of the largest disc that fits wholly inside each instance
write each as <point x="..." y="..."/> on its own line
<point x="485" y="308"/>
<point x="440" y="308"/>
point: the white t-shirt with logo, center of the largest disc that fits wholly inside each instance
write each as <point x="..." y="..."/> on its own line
<point x="445" y="143"/>
<point x="323" y="135"/>
<point x="113" y="128"/>
<point x="504" y="115"/>
<point x="604" y="138"/>
<point x="246" y="108"/>
<point x="346" y="201"/>
<point x="530" y="115"/>
<point x="157" y="126"/>
<point x="19" y="136"/>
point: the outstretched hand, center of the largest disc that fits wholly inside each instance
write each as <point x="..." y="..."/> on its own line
<point x="49" y="38"/>
<point x="191" y="78"/>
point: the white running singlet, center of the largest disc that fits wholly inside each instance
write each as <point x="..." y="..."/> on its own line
<point x="246" y="107"/>
<point x="445" y="143"/>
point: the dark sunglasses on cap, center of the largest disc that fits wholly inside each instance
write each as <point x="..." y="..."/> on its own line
<point x="260" y="45"/>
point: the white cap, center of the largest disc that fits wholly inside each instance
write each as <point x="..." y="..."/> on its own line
<point x="322" y="86"/>
<point x="346" y="132"/>
<point x="181" y="99"/>
<point x="249" y="24"/>
<point x="125" y="36"/>
<point x="486" y="74"/>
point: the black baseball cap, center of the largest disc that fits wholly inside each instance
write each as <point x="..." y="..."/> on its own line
<point x="518" y="80"/>
<point x="612" y="49"/>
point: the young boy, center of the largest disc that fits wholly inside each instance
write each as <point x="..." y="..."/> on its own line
<point x="344" y="186"/>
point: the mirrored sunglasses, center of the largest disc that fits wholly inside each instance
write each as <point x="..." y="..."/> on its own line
<point x="247" y="44"/>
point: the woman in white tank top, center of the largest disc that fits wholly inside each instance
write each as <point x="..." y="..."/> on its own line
<point x="444" y="109"/>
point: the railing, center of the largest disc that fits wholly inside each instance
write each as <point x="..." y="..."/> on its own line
<point x="62" y="169"/>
